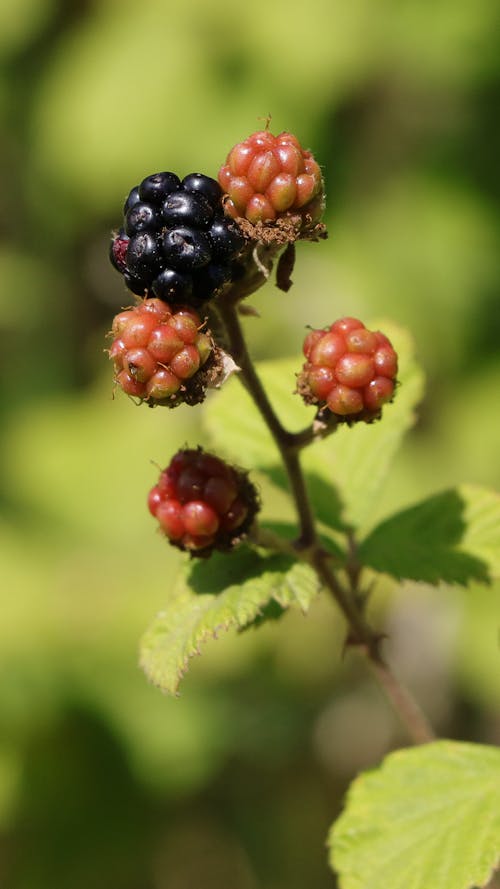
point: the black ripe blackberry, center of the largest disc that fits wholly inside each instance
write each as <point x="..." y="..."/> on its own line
<point x="154" y="189"/>
<point x="176" y="243"/>
<point x="205" y="185"/>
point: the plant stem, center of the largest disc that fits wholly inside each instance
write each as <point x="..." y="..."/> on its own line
<point x="282" y="438"/>
<point x="369" y="642"/>
<point x="308" y="546"/>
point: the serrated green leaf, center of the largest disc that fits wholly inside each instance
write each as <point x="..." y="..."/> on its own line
<point x="215" y="595"/>
<point x="453" y="537"/>
<point x="354" y="460"/>
<point x="428" y="818"/>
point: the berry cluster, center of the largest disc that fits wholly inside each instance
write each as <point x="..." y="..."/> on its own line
<point x="266" y="177"/>
<point x="158" y="353"/>
<point x="349" y="369"/>
<point x="176" y="243"/>
<point x="201" y="503"/>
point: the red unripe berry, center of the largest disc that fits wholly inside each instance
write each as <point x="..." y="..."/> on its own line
<point x="260" y="209"/>
<point x="156" y="306"/>
<point x="169" y="515"/>
<point x="164" y="343"/>
<point x="159" y="348"/>
<point x="163" y="384"/>
<point x="378" y="392"/>
<point x="321" y="380"/>
<point x="344" y="325"/>
<point x="262" y="170"/>
<point x="344" y="401"/>
<point x="120" y="322"/>
<point x="282" y="191"/>
<point x="154" y="499"/>
<point x="185" y="364"/>
<point x="185" y="327"/>
<point x="199" y="518"/>
<point x="188" y="312"/>
<point x="310" y="341"/>
<point x="386" y="361"/>
<point x="328" y="350"/>
<point x="361" y="340"/>
<point x="239" y="159"/>
<point x="116" y="352"/>
<point x="382" y="339"/>
<point x="307" y="188"/>
<point x="350" y="370"/>
<point x="355" y="370"/>
<point x="225" y="175"/>
<point x="290" y="158"/>
<point x="267" y="176"/>
<point x="262" y="139"/>
<point x="139" y="329"/>
<point x="129" y="385"/>
<point x="139" y="364"/>
<point x="312" y="168"/>
<point x="241" y="192"/>
<point x="285" y="138"/>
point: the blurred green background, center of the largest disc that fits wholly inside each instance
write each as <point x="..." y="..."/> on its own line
<point x="105" y="783"/>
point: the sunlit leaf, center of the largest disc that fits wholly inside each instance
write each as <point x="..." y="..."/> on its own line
<point x="428" y="817"/>
<point x="216" y="595"/>
<point x="453" y="537"/>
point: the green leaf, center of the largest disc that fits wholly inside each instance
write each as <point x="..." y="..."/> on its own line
<point x="215" y="595"/>
<point x="428" y="818"/>
<point x="354" y="460"/>
<point x="453" y="537"/>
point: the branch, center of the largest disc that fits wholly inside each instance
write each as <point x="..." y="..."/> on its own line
<point x="308" y="546"/>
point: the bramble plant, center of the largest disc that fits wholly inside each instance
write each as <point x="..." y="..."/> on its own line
<point x="191" y="251"/>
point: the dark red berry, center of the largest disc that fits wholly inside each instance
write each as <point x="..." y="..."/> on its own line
<point x="200" y="519"/>
<point x="202" y="503"/>
<point x="118" y="251"/>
